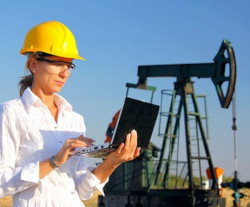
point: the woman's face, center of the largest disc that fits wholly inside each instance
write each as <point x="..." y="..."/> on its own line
<point x="50" y="73"/>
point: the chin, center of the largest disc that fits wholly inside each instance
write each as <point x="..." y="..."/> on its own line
<point x="56" y="89"/>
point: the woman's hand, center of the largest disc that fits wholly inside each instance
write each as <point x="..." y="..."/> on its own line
<point x="62" y="156"/>
<point x="125" y="152"/>
<point x="70" y="144"/>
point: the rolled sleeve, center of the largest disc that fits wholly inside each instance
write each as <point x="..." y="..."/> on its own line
<point x="88" y="183"/>
<point x="18" y="179"/>
<point x="30" y="173"/>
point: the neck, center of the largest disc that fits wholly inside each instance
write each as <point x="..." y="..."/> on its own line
<point x="48" y="100"/>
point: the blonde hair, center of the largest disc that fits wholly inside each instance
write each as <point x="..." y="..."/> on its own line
<point x="26" y="81"/>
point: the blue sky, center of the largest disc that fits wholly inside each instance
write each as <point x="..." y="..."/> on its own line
<point x="117" y="36"/>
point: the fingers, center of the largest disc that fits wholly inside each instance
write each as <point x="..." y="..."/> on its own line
<point x="119" y="149"/>
<point x="127" y="143"/>
<point x="130" y="143"/>
<point x="137" y="152"/>
<point x="81" y="141"/>
<point x="129" y="150"/>
<point x="87" y="140"/>
<point x="70" y="144"/>
<point x="133" y="141"/>
<point x="74" y="143"/>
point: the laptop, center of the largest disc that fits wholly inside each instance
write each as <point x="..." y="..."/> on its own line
<point x="135" y="114"/>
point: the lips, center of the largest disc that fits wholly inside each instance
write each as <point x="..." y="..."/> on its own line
<point x="60" y="83"/>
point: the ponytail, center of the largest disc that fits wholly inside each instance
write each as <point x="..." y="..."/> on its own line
<point x="26" y="81"/>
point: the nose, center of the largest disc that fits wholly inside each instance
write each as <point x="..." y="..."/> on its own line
<point x="65" y="71"/>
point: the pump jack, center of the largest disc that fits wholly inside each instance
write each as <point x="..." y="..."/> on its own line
<point x="184" y="87"/>
<point x="222" y="72"/>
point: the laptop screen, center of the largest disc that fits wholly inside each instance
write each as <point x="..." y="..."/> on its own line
<point x="138" y="115"/>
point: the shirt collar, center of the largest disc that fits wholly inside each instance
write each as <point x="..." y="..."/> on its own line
<point x="30" y="100"/>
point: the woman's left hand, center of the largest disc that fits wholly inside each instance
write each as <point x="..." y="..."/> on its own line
<point x="126" y="151"/>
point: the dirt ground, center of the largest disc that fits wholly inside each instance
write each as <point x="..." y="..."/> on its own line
<point x="7" y="201"/>
<point x="245" y="202"/>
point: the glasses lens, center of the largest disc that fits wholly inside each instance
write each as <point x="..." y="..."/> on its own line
<point x="70" y="66"/>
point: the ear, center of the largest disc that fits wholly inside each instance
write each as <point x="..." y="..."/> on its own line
<point x="32" y="64"/>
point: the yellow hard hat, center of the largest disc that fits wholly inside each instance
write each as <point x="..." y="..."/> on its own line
<point x="53" y="38"/>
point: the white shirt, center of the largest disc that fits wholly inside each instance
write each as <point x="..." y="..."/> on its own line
<point x="29" y="134"/>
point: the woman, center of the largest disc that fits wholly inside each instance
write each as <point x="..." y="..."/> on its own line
<point x="39" y="129"/>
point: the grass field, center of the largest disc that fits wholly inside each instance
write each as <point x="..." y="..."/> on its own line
<point x="245" y="202"/>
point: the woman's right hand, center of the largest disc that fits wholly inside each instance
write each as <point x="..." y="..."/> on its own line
<point x="70" y="144"/>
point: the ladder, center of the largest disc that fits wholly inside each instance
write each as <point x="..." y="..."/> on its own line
<point x="185" y="92"/>
<point x="170" y="136"/>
